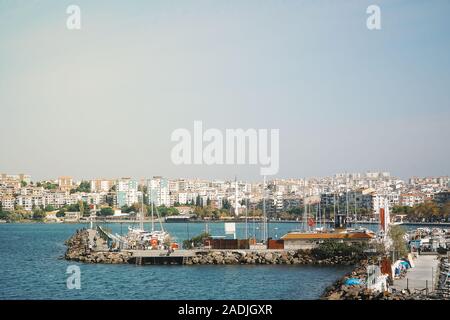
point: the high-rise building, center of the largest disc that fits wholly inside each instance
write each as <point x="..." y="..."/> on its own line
<point x="158" y="191"/>
<point x="126" y="192"/>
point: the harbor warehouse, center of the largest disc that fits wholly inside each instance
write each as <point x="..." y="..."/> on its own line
<point x="298" y="240"/>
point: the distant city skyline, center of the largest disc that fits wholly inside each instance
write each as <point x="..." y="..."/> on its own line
<point x="137" y="178"/>
<point x="102" y="102"/>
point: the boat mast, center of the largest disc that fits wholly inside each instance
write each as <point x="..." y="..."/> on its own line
<point x="346" y="201"/>
<point x="141" y="220"/>
<point x="159" y="219"/>
<point x="334" y="207"/>
<point x="153" y="222"/>
<point x="319" y="220"/>
<point x="304" y="213"/>
<point x="236" y="211"/>
<point x="264" y="209"/>
<point x="246" y="218"/>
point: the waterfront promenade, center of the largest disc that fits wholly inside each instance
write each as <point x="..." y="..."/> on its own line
<point x="422" y="277"/>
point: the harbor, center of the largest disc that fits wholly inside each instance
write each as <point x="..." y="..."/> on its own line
<point x="388" y="263"/>
<point x="80" y="248"/>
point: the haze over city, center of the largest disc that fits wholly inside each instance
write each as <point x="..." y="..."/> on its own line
<point x="103" y="101"/>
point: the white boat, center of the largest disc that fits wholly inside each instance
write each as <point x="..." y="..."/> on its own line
<point x="153" y="239"/>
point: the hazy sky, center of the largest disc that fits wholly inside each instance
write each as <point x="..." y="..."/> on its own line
<point x="103" y="101"/>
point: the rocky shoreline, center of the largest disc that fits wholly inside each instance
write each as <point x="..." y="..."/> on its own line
<point x="78" y="250"/>
<point x="291" y="257"/>
<point x="340" y="291"/>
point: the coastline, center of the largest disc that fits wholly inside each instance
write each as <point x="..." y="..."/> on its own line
<point x="432" y="224"/>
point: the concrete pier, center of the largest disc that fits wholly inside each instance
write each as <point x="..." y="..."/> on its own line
<point x="422" y="277"/>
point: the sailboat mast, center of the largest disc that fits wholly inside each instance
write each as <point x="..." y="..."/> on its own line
<point x="319" y="218"/>
<point x="264" y="210"/>
<point x="236" y="211"/>
<point x="141" y="220"/>
<point x="334" y="207"/>
<point x="346" y="201"/>
<point x="246" y="218"/>
<point x="304" y="213"/>
<point x="153" y="222"/>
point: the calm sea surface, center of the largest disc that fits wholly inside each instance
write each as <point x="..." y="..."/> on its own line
<point x="31" y="268"/>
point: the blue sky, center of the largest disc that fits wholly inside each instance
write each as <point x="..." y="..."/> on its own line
<point x="102" y="101"/>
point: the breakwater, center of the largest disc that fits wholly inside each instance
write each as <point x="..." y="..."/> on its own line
<point x="341" y="291"/>
<point x="294" y="257"/>
<point x="78" y="249"/>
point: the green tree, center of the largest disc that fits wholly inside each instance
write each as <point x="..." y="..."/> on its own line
<point x="38" y="214"/>
<point x="84" y="208"/>
<point x="330" y="248"/>
<point x="226" y="204"/>
<point x="85" y="186"/>
<point x="296" y="211"/>
<point x="4" y="215"/>
<point x="49" y="208"/>
<point x="445" y="211"/>
<point x="23" y="183"/>
<point x="397" y="235"/>
<point x="60" y="213"/>
<point x="167" y="211"/>
<point x="196" y="241"/>
<point x="106" y="211"/>
<point x="49" y="186"/>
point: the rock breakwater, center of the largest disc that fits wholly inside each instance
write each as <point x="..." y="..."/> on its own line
<point x="340" y="291"/>
<point x="79" y="249"/>
<point x="294" y="257"/>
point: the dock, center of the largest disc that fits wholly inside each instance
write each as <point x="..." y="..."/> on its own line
<point x="422" y="277"/>
<point x="151" y="257"/>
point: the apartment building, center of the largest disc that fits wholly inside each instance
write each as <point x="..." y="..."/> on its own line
<point x="65" y="183"/>
<point x="126" y="192"/>
<point x="159" y="192"/>
<point x="7" y="203"/>
<point x="101" y="185"/>
<point x="412" y="199"/>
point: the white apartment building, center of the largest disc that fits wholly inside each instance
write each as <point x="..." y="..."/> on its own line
<point x="378" y="202"/>
<point x="101" y="185"/>
<point x="65" y="183"/>
<point x="412" y="199"/>
<point x="7" y="203"/>
<point x="158" y="191"/>
<point x="28" y="202"/>
<point x="126" y="192"/>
